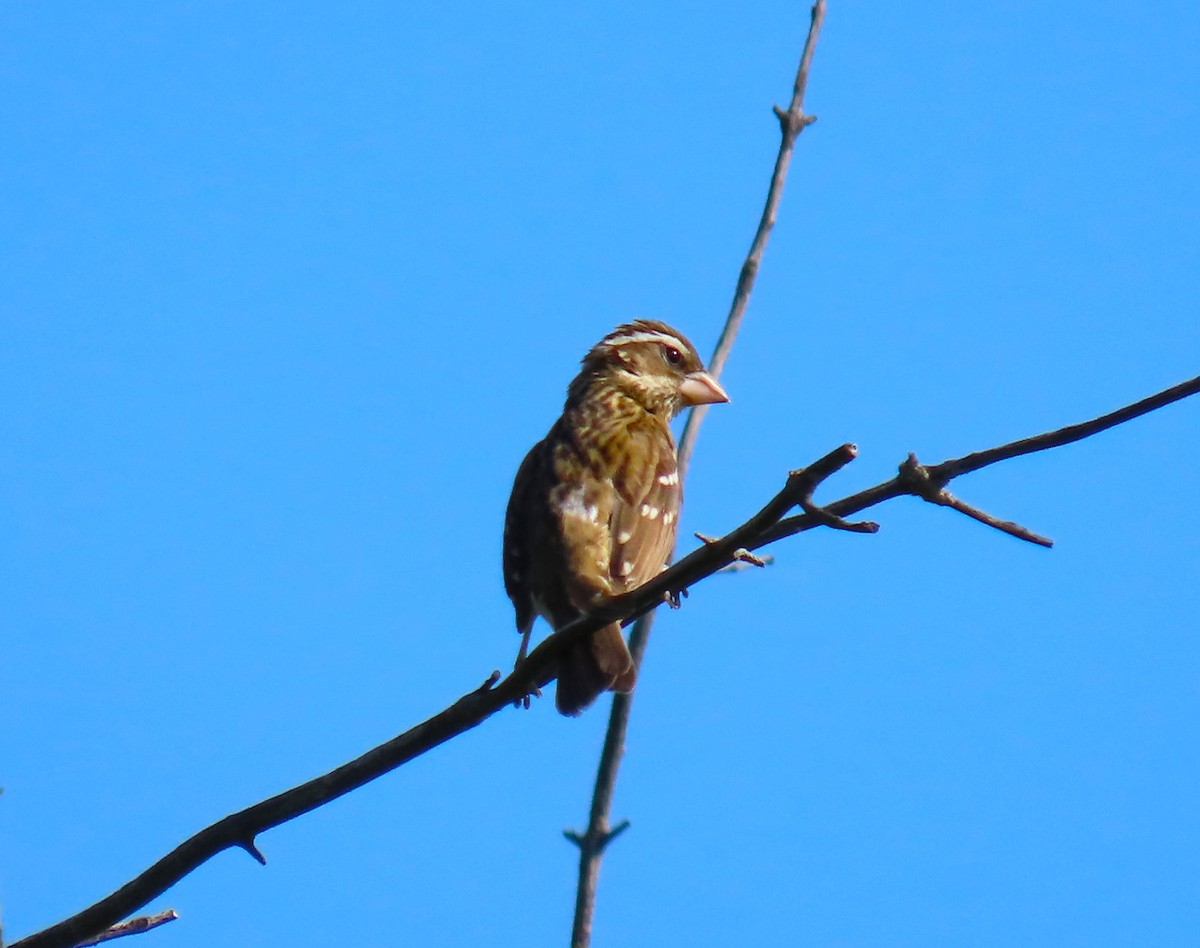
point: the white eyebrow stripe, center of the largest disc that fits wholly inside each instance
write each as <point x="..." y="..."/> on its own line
<point x="662" y="338"/>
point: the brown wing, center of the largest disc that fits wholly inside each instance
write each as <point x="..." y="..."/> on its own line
<point x="519" y="528"/>
<point x="645" y="511"/>
<point x="556" y="534"/>
<point x="580" y="503"/>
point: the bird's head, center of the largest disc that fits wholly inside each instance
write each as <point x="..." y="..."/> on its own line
<point x="653" y="364"/>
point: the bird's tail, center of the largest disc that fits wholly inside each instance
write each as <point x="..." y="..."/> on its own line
<point x="601" y="663"/>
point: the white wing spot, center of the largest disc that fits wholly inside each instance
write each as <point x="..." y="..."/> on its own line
<point x="573" y="506"/>
<point x="624" y="536"/>
<point x="669" y="480"/>
<point x="626" y="567"/>
<point x="649" y="512"/>
<point x="668" y="517"/>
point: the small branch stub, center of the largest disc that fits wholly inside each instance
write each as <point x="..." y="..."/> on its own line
<point x="597" y="844"/>
<point x="614" y="833"/>
<point x="745" y="556"/>
<point x="135" y="926"/>
<point x="792" y="124"/>
<point x="833" y="521"/>
<point x="254" y="851"/>
<point x="490" y="683"/>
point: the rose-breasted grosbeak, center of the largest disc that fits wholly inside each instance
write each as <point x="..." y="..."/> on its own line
<point x="595" y="504"/>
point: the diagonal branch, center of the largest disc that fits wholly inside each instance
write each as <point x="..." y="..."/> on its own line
<point x="948" y="470"/>
<point x="945" y="472"/>
<point x="792" y="122"/>
<point x="241" y="829"/>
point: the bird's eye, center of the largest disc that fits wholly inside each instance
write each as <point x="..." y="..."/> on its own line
<point x="672" y="355"/>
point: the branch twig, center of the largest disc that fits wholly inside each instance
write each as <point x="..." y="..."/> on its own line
<point x="945" y="472"/>
<point x="792" y="122"/>
<point x="135" y="926"/>
<point x="920" y="482"/>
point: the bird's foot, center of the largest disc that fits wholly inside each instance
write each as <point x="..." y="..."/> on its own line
<point x="525" y="701"/>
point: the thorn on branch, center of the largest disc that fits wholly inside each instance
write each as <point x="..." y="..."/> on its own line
<point x="613" y="834"/>
<point x="917" y="480"/>
<point x="595" y="845"/>
<point x="490" y="683"/>
<point x="792" y="123"/>
<point x="253" y="850"/>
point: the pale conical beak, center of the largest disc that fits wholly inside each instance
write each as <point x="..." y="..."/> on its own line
<point x="700" y="388"/>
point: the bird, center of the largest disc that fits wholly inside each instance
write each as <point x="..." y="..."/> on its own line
<point x="595" y="504"/>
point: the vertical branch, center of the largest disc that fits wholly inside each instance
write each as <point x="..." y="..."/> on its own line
<point x="792" y="121"/>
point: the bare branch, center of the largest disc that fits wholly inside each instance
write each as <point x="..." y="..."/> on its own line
<point x="948" y="470"/>
<point x="792" y="122"/>
<point x="945" y="472"/>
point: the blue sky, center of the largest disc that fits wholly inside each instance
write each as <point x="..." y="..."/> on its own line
<point x="286" y="293"/>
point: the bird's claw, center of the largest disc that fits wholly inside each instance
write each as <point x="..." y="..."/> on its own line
<point x="525" y="701"/>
